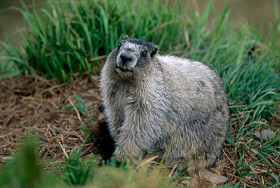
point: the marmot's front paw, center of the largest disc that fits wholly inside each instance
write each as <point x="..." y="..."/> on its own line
<point x="119" y="154"/>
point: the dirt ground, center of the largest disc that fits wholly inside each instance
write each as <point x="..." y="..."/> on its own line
<point x="33" y="104"/>
<point x="39" y="105"/>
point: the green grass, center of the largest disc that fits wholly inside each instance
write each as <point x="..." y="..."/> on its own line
<point x="63" y="38"/>
<point x="26" y="170"/>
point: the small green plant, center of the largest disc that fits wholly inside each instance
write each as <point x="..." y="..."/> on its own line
<point x="25" y="169"/>
<point x="80" y="107"/>
<point x="76" y="170"/>
<point x="181" y="174"/>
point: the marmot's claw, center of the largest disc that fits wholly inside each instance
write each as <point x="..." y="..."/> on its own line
<point x="119" y="154"/>
<point x="101" y="107"/>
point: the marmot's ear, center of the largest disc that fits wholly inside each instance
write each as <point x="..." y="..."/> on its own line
<point x="125" y="37"/>
<point x="154" y="51"/>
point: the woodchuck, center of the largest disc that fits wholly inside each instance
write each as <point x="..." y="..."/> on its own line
<point x="154" y="102"/>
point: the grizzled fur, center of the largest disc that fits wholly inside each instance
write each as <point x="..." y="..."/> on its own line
<point x="154" y="101"/>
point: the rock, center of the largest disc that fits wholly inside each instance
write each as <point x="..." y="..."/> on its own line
<point x="213" y="178"/>
<point x="7" y="158"/>
<point x="88" y="104"/>
<point x="265" y="134"/>
<point x="91" y="91"/>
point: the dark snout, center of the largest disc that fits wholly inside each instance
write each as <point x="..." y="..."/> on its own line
<point x="126" y="61"/>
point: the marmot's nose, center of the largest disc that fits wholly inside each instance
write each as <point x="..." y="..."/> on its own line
<point x="125" y="59"/>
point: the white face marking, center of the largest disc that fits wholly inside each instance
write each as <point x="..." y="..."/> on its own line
<point x="135" y="47"/>
<point x="129" y="54"/>
<point x="130" y="51"/>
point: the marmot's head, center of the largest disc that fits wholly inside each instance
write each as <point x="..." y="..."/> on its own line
<point x="132" y="55"/>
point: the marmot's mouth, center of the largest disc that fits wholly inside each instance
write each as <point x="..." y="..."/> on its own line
<point x="123" y="69"/>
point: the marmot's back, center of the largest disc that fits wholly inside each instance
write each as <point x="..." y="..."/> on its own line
<point x="194" y="81"/>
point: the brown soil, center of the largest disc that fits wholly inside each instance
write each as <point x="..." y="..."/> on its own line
<point x="40" y="106"/>
<point x="33" y="104"/>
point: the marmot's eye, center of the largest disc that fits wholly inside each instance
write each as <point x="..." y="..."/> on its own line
<point x="145" y="52"/>
<point x="119" y="45"/>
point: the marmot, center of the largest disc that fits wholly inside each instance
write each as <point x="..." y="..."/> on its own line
<point x="154" y="102"/>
